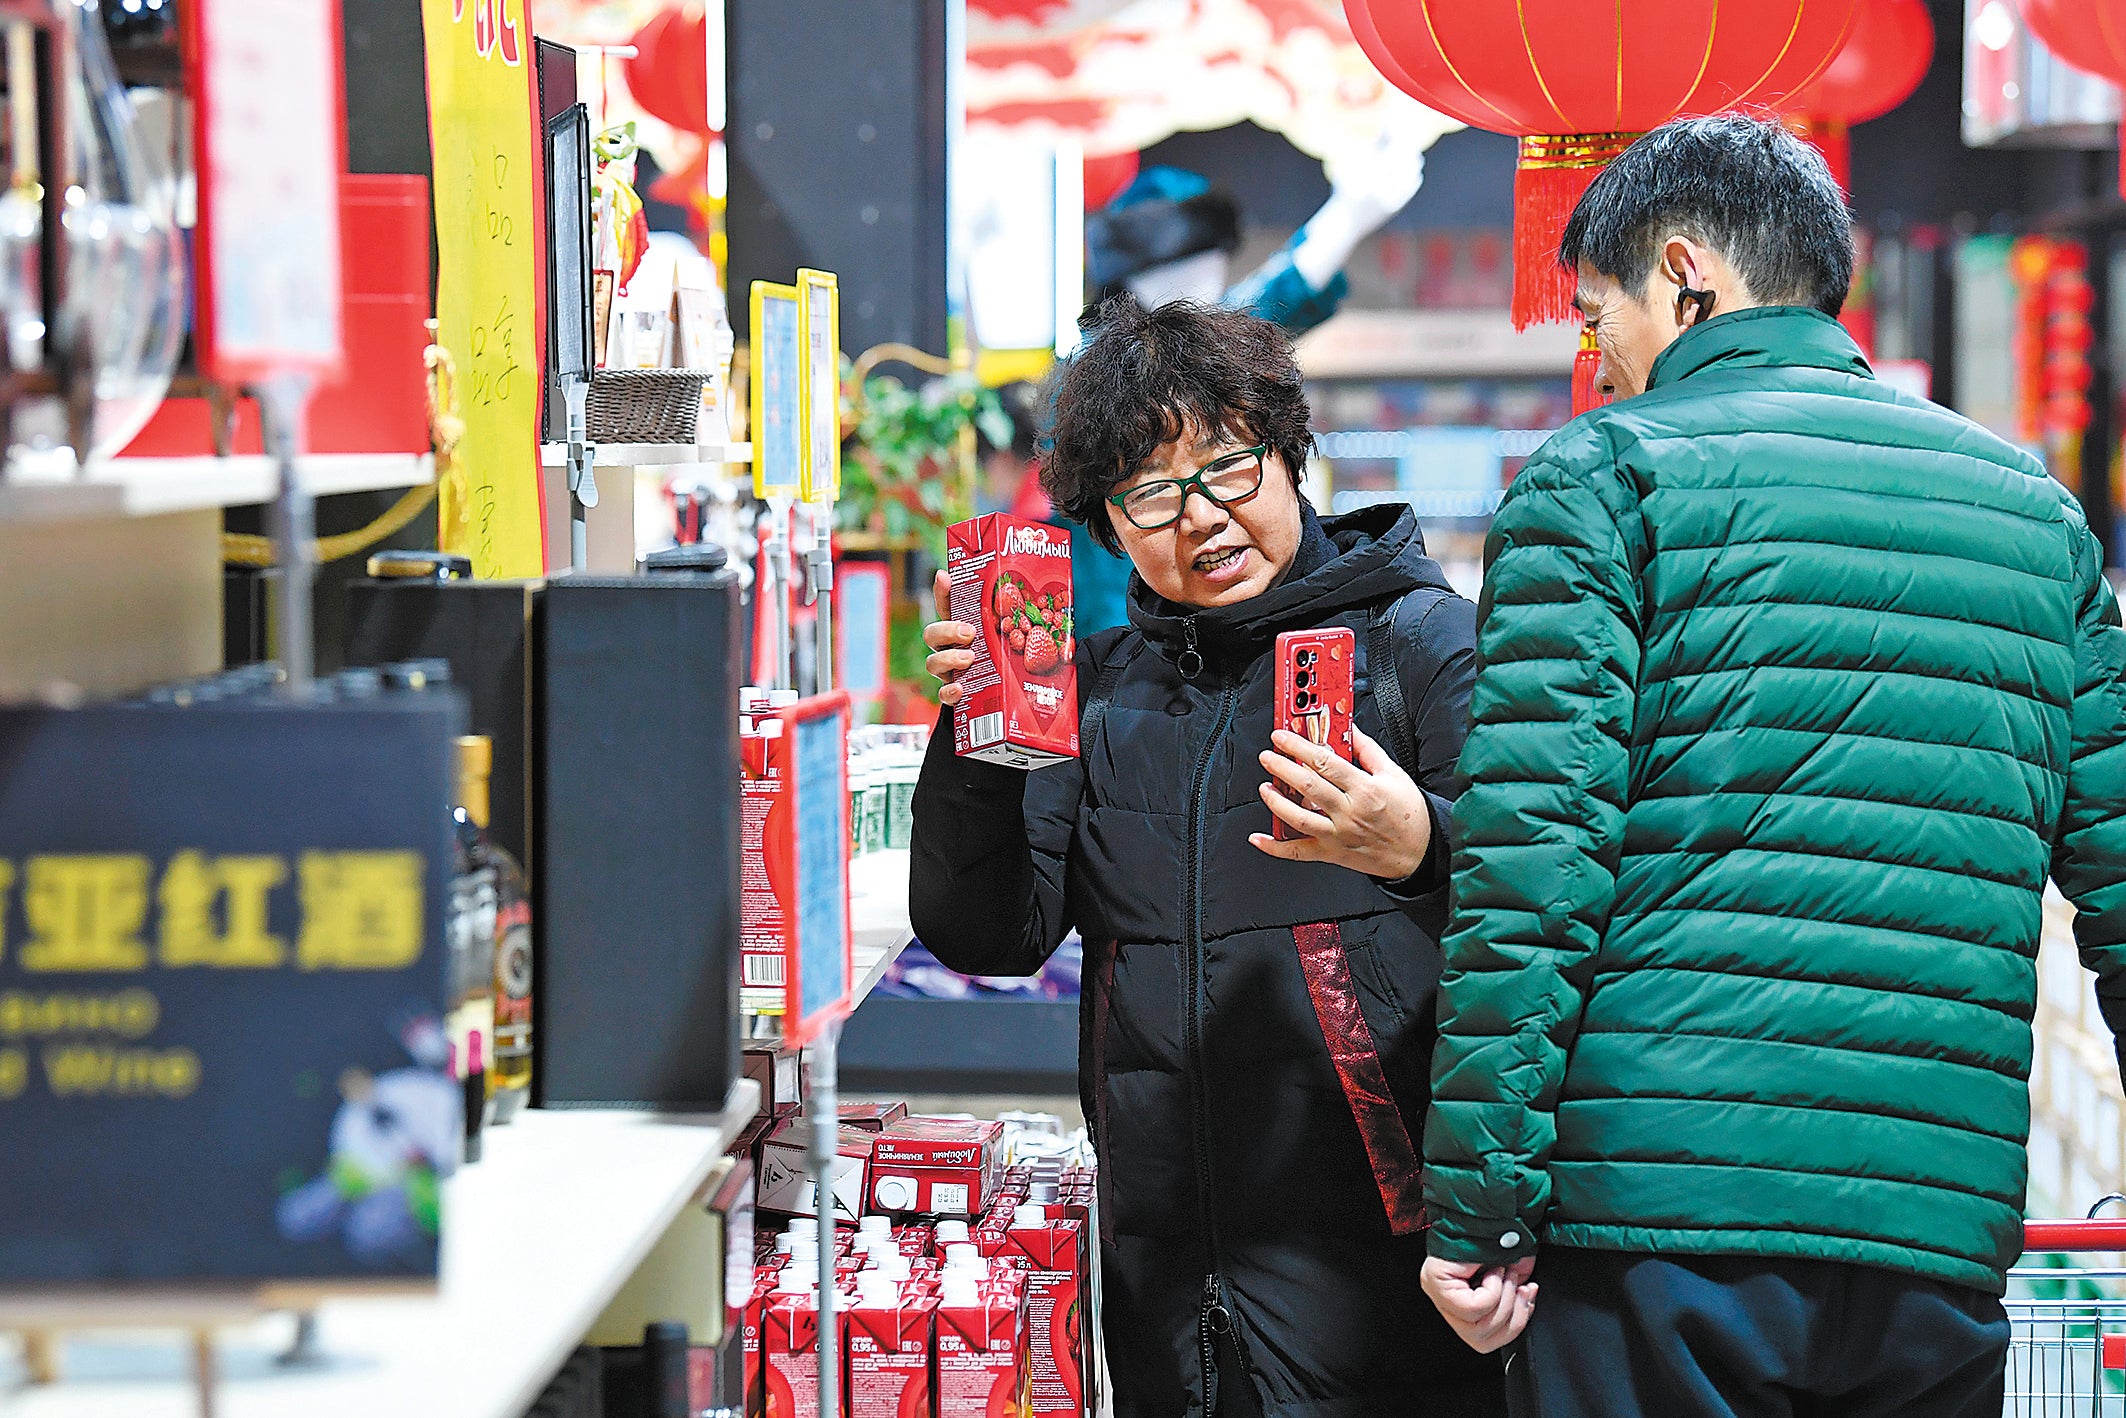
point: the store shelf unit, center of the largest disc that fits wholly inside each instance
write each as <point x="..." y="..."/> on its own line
<point x="538" y="1237"/>
<point x="153" y="487"/>
<point x="652" y="455"/>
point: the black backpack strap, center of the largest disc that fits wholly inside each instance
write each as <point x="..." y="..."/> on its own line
<point x="1387" y="677"/>
<point x="1094" y="713"/>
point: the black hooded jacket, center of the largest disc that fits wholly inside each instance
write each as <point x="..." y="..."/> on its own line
<point x="1256" y="1034"/>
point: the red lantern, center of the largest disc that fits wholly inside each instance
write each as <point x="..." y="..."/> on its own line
<point x="1889" y="52"/>
<point x="669" y="74"/>
<point x="1107" y="176"/>
<point x="2090" y="35"/>
<point x="1578" y="83"/>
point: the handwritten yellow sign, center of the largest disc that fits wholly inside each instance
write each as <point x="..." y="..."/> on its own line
<point x="480" y="123"/>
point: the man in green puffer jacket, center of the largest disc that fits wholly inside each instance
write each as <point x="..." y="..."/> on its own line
<point x="1793" y="690"/>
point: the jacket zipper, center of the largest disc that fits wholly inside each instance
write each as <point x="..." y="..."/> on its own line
<point x="1214" y="1317"/>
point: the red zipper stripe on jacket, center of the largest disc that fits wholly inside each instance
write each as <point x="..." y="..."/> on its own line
<point x="1358" y="1069"/>
<point x="1103" y="983"/>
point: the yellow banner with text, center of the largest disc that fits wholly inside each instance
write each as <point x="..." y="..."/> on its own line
<point x="480" y="124"/>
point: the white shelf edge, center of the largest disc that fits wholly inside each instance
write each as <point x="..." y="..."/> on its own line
<point x="153" y="487"/>
<point x="465" y="1349"/>
<point x="652" y="455"/>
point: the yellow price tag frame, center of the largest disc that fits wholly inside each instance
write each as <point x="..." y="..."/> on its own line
<point x="777" y="379"/>
<point x="819" y="316"/>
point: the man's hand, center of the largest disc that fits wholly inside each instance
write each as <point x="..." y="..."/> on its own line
<point x="1487" y="1307"/>
<point x="1369" y="817"/>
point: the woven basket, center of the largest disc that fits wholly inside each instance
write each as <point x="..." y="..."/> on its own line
<point x="647" y="405"/>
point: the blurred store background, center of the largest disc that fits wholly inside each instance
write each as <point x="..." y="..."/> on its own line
<point x="1994" y="280"/>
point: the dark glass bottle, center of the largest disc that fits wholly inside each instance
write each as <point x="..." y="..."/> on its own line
<point x="490" y="929"/>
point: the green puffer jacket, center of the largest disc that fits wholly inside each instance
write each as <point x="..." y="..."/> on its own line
<point x="1792" y="691"/>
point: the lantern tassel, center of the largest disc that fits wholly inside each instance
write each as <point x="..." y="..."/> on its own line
<point x="1554" y="173"/>
<point x="1835" y="141"/>
<point x="1587" y="375"/>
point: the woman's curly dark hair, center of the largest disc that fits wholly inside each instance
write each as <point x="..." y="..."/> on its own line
<point x="1146" y="377"/>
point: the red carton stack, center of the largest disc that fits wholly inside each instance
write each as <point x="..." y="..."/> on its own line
<point x="936" y="1166"/>
<point x="1011" y="581"/>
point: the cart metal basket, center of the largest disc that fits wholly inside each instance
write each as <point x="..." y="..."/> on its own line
<point x="2067" y="1353"/>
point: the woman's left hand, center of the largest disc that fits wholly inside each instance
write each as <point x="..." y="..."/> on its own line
<point x="1369" y="817"/>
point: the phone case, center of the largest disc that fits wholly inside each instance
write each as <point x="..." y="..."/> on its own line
<point x="1314" y="695"/>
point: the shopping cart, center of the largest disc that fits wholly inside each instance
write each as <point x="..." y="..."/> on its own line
<point x="2067" y="1355"/>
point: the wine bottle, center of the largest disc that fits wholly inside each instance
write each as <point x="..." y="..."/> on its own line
<point x="491" y="950"/>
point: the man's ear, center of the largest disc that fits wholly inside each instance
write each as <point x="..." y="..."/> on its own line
<point x="1681" y="265"/>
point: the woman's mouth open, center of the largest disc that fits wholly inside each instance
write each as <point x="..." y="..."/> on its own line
<point x="1222" y="567"/>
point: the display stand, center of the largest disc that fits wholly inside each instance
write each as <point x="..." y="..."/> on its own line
<point x="775" y="585"/>
<point x="282" y="401"/>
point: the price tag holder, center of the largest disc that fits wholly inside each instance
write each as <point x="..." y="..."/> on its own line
<point x="268" y="235"/>
<point x="819" y="980"/>
<point x="820" y="317"/>
<point x="778" y="392"/>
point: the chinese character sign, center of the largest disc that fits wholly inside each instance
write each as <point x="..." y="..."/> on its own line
<point x="222" y="992"/>
<point x="481" y="117"/>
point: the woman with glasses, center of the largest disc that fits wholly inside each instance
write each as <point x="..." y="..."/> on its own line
<point x="1258" y="1013"/>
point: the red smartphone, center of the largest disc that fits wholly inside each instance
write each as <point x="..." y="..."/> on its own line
<point x="1314" y="696"/>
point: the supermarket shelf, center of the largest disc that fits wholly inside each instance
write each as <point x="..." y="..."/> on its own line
<point x="878" y="913"/>
<point x="878" y="924"/>
<point x="35" y="490"/>
<point x="538" y="1237"/>
<point x="652" y="455"/>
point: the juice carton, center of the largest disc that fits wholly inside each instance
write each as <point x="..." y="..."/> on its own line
<point x="1055" y="1320"/>
<point x="776" y="1070"/>
<point x="1011" y="581"/>
<point x="756" y="1313"/>
<point x="789" y="1346"/>
<point x="873" y="1117"/>
<point x="767" y="891"/>
<point x="890" y="1342"/>
<point x="914" y="1239"/>
<point x="935" y="1166"/>
<point x="785" y="1184"/>
<point x="981" y="1367"/>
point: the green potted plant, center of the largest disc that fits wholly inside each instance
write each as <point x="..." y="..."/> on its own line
<point x="907" y="475"/>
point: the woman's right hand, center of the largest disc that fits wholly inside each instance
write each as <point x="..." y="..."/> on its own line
<point x="948" y="641"/>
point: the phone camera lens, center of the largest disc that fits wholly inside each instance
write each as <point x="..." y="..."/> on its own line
<point x="1303" y="678"/>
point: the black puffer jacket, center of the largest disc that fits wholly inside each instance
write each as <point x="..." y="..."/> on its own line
<point x="1248" y="1177"/>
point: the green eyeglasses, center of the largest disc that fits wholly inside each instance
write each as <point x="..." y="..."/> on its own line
<point x="1227" y="480"/>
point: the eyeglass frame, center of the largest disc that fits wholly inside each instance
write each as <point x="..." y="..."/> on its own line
<point x="1194" y="482"/>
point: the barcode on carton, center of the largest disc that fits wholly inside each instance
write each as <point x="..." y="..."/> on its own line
<point x="764" y="970"/>
<point x="986" y="730"/>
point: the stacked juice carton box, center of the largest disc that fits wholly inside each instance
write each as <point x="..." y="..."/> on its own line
<point x="962" y="1288"/>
